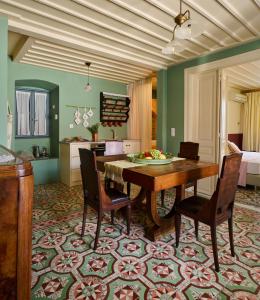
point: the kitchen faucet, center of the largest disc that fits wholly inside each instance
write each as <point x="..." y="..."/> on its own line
<point x="113" y="134"/>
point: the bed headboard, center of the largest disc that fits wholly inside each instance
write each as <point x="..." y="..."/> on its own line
<point x="236" y="138"/>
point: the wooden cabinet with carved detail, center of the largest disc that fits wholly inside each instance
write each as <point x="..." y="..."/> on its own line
<point x="16" y="194"/>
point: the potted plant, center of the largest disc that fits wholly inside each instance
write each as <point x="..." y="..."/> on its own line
<point x="94" y="131"/>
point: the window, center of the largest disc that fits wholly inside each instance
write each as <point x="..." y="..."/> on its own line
<point x="32" y="113"/>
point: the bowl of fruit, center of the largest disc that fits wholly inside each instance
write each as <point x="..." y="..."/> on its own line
<point x="152" y="157"/>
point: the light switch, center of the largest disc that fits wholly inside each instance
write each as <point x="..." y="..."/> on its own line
<point x="172" y="131"/>
<point x="71" y="125"/>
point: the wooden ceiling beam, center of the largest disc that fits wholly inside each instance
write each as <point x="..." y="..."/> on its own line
<point x="231" y="9"/>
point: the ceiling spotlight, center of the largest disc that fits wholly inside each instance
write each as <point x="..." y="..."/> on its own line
<point x="88" y="87"/>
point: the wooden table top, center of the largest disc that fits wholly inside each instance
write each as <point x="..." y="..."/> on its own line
<point x="160" y="177"/>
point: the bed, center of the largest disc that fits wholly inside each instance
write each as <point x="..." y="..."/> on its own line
<point x="250" y="165"/>
<point x="250" y="169"/>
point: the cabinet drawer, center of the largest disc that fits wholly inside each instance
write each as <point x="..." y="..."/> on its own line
<point x="75" y="162"/>
<point x="74" y="149"/>
<point x="75" y="175"/>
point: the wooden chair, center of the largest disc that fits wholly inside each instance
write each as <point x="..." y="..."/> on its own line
<point x="188" y="150"/>
<point x="216" y="210"/>
<point x="96" y="196"/>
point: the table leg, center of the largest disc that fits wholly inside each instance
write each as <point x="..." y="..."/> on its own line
<point x="157" y="226"/>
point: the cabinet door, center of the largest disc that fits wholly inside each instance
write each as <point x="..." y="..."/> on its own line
<point x="131" y="146"/>
<point x="75" y="148"/>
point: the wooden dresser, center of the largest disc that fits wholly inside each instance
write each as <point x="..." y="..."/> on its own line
<point x="70" y="162"/>
<point x="16" y="194"/>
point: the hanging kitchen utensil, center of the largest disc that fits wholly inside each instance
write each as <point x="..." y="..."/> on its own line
<point x="77" y="115"/>
<point x="90" y="113"/>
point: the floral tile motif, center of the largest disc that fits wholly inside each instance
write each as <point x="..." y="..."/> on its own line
<point x="236" y="278"/>
<point x="194" y="292"/>
<point x="66" y="262"/>
<point x="97" y="264"/>
<point x="131" y="247"/>
<point x="52" y="286"/>
<point x="188" y="252"/>
<point x="41" y="258"/>
<point x="249" y="256"/>
<point x="64" y="265"/>
<point x="76" y="243"/>
<point x="166" y="271"/>
<point x="130" y="268"/>
<point x="198" y="274"/>
<point x="89" y="288"/>
<point x="128" y="290"/>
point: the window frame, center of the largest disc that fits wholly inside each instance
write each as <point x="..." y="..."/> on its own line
<point x="32" y="113"/>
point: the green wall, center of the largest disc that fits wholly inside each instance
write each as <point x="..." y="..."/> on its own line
<point x="3" y="79"/>
<point x="45" y="171"/>
<point x="175" y="90"/>
<point x="69" y="90"/>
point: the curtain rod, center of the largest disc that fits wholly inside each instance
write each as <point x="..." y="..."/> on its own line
<point x="250" y="91"/>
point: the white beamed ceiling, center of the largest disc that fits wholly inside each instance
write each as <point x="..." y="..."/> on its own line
<point x="245" y="76"/>
<point x="123" y="39"/>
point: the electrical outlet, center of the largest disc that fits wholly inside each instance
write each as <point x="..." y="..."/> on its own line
<point x="56" y="117"/>
<point x="71" y="125"/>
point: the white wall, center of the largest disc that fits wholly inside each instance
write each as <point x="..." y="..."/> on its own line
<point x="233" y="114"/>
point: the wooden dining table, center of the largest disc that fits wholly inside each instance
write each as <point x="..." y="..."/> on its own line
<point x="154" y="178"/>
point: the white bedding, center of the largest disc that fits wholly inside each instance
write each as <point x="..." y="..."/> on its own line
<point x="253" y="161"/>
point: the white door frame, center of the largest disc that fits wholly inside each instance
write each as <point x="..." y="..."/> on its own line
<point x="191" y="89"/>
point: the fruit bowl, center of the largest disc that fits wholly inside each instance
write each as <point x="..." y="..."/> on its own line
<point x="152" y="157"/>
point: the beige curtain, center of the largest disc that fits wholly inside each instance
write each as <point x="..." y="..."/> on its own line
<point x="251" y="122"/>
<point x="139" y="124"/>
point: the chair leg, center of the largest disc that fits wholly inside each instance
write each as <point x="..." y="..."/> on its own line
<point x="214" y="246"/>
<point x="196" y="225"/>
<point x="100" y="216"/>
<point x="177" y="228"/>
<point x="231" y="239"/>
<point x="195" y="188"/>
<point x="84" y="219"/>
<point x="128" y="217"/>
<point x="112" y="216"/>
<point x="128" y="189"/>
<point x="162" y="197"/>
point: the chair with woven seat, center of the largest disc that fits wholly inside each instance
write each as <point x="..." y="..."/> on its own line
<point x="216" y="210"/>
<point x="96" y="196"/>
<point x="188" y="150"/>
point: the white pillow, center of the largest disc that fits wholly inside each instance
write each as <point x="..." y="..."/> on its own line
<point x="233" y="148"/>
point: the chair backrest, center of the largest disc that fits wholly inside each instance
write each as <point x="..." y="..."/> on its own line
<point x="224" y="196"/>
<point x="189" y="150"/>
<point x="90" y="176"/>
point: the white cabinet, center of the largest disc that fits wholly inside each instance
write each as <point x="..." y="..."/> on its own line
<point x="131" y="146"/>
<point x="70" y="162"/>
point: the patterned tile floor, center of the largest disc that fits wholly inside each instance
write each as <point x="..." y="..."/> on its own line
<point x="131" y="267"/>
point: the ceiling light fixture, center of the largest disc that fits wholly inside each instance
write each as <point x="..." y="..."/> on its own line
<point x="181" y="31"/>
<point x="88" y="87"/>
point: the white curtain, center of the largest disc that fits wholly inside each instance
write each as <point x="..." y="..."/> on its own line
<point x="9" y="127"/>
<point x="140" y="116"/>
<point x="251" y="122"/>
<point x="23" y="112"/>
<point x="40" y="125"/>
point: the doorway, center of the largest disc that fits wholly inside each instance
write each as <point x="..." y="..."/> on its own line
<point x="205" y="120"/>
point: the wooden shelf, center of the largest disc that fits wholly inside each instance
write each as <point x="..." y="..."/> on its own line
<point x="114" y="109"/>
